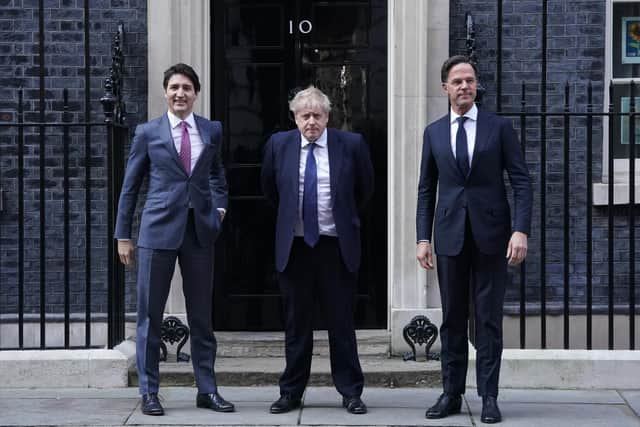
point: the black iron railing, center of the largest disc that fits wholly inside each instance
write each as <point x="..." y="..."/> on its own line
<point x="604" y="244"/>
<point x="574" y="132"/>
<point x="89" y="155"/>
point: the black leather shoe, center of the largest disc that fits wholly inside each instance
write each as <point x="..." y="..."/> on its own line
<point x="151" y="405"/>
<point x="490" y="411"/>
<point x="354" y="405"/>
<point x="285" y="403"/>
<point x="214" y="401"/>
<point x="446" y="405"/>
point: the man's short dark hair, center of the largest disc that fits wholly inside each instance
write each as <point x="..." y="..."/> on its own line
<point x="186" y="71"/>
<point x="452" y="62"/>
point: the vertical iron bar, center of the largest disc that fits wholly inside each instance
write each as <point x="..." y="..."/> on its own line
<point x="589" y="246"/>
<point x="632" y="220"/>
<point x="118" y="268"/>
<point x="499" y="56"/>
<point x="43" y="275"/>
<point x="565" y="210"/>
<point x="65" y="155"/>
<point x="110" y="241"/>
<point x="523" y="276"/>
<point x="87" y="178"/>
<point x="543" y="181"/>
<point x="20" y="221"/>
<point x="610" y="217"/>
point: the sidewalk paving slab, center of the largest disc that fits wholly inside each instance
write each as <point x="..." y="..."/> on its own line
<point x="633" y="399"/>
<point x="552" y="396"/>
<point x="322" y="407"/>
<point x="387" y="407"/>
<point x="69" y="393"/>
<point x="65" y="411"/>
<point x="185" y="413"/>
<point x="560" y="415"/>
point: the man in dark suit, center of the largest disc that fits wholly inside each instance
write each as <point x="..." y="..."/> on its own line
<point x="179" y="154"/>
<point x="466" y="152"/>
<point x="319" y="179"/>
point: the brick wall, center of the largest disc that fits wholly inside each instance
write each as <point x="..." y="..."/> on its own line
<point x="575" y="55"/>
<point x="64" y="65"/>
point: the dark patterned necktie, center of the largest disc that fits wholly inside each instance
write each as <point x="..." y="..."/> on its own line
<point x="310" y="200"/>
<point x="462" y="149"/>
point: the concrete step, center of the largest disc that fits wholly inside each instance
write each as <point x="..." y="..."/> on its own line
<point x="271" y="344"/>
<point x="379" y="371"/>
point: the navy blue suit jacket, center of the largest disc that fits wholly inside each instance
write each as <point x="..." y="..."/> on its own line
<point x="481" y="195"/>
<point x="171" y="189"/>
<point x="351" y="179"/>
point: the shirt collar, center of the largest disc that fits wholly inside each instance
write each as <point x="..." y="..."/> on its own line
<point x="322" y="141"/>
<point x="175" y="120"/>
<point x="472" y="114"/>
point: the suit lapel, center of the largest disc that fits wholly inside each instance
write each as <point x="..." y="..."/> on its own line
<point x="482" y="137"/>
<point x="165" y="135"/>
<point x="291" y="153"/>
<point x="335" y="149"/>
<point x="205" y="136"/>
<point x="445" y="131"/>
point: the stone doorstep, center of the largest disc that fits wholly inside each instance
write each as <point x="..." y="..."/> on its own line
<point x="553" y="369"/>
<point x="535" y="369"/>
<point x="566" y="369"/>
<point x="263" y="371"/>
<point x="63" y="368"/>
<point x="374" y="342"/>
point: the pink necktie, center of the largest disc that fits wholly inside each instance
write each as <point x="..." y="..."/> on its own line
<point x="185" y="148"/>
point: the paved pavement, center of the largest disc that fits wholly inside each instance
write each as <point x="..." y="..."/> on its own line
<point x="322" y="407"/>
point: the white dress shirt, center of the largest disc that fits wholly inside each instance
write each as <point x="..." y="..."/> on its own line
<point x="194" y="136"/>
<point x="326" y="224"/>
<point x="470" y="126"/>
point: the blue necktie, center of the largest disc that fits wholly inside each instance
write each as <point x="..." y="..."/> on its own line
<point x="310" y="200"/>
<point x="462" y="150"/>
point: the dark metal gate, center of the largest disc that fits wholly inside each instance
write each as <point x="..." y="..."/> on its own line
<point x="58" y="258"/>
<point x="582" y="250"/>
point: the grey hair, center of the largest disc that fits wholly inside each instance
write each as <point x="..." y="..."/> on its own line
<point x="311" y="97"/>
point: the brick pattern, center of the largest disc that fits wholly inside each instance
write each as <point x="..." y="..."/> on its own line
<point x="575" y="54"/>
<point x="64" y="65"/>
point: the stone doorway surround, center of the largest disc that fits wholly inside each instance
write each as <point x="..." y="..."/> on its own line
<point x="418" y="43"/>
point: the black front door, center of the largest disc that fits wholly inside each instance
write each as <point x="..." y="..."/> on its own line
<point x="263" y="52"/>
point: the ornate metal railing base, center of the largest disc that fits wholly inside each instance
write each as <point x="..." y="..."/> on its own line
<point x="172" y="331"/>
<point x="420" y="331"/>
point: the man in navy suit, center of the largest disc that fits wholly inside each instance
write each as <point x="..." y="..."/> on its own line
<point x="319" y="180"/>
<point x="464" y="157"/>
<point x="179" y="154"/>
